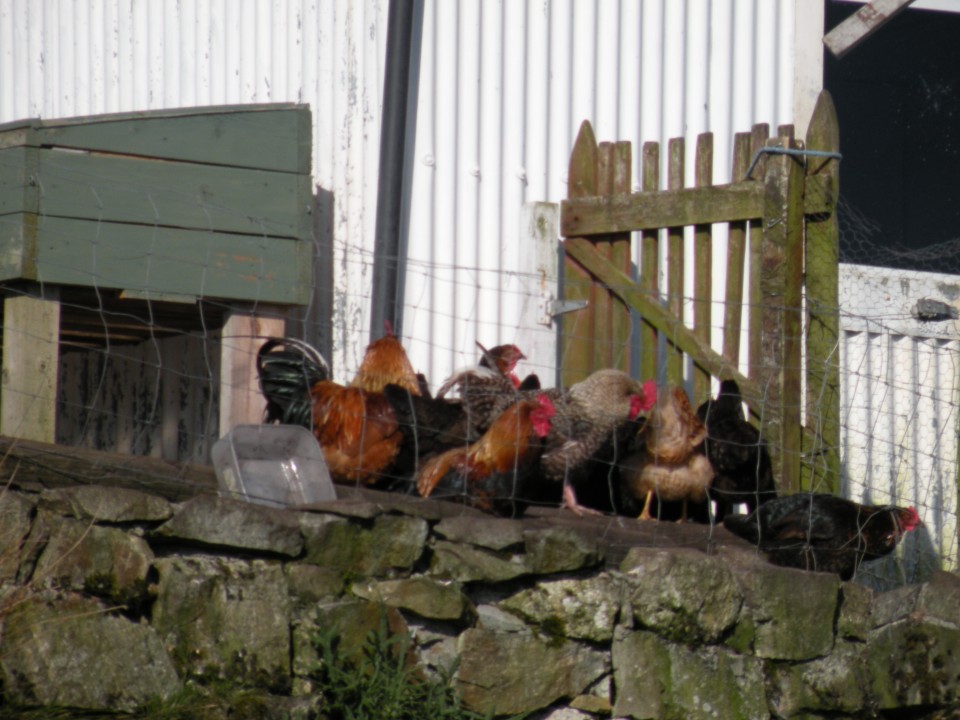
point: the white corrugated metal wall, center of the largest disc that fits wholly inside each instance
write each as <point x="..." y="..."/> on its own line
<point x="503" y="90"/>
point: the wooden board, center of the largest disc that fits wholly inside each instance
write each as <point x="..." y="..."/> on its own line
<point x="31" y="328"/>
<point x="856" y="28"/>
<point x="269" y="137"/>
<point x="37" y="465"/>
<point x="159" y="260"/>
<point x="18" y="190"/>
<point x="649" y="211"/>
<point x="146" y="191"/>
<point x="240" y="398"/>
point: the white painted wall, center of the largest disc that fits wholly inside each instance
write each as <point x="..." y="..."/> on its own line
<point x="899" y="398"/>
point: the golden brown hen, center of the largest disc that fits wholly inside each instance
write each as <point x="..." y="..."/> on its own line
<point x="670" y="462"/>
<point x="385" y="362"/>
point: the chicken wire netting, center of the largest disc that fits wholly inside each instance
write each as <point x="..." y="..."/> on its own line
<point x="142" y="376"/>
<point x="899" y="356"/>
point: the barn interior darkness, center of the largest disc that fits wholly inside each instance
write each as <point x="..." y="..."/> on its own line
<point x="898" y="100"/>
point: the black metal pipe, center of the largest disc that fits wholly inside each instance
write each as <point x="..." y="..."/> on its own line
<point x="385" y="301"/>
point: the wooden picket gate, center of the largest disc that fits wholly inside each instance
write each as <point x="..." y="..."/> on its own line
<point x="781" y="213"/>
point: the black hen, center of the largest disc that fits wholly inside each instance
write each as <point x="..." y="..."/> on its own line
<point x="287" y="369"/>
<point x="741" y="463"/>
<point x="815" y="531"/>
<point x="430" y="424"/>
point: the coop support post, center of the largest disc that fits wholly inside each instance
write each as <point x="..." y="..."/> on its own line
<point x="31" y="335"/>
<point x="243" y="333"/>
<point x="779" y="373"/>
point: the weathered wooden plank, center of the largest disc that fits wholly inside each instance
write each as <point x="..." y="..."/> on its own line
<point x="649" y="263"/>
<point x="18" y="187"/>
<point x="675" y="260"/>
<point x="269" y="137"/>
<point x="621" y="257"/>
<point x="145" y="191"/>
<point x="736" y="257"/>
<point x="781" y="284"/>
<point x="32" y="464"/>
<point x="576" y="356"/>
<point x="821" y="441"/>
<point x="602" y="302"/>
<point x="165" y="260"/>
<point x="647" y="211"/>
<point x="758" y="138"/>
<point x="243" y="334"/>
<point x="856" y="28"/>
<point x="684" y="338"/>
<point x="703" y="266"/>
<point x="31" y="329"/>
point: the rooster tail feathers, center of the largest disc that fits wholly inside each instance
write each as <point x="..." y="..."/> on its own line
<point x="287" y="368"/>
<point x="436" y="469"/>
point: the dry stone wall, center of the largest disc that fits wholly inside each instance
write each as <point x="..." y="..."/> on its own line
<point x="112" y="599"/>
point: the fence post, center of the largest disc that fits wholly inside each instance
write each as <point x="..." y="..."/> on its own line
<point x="821" y="440"/>
<point x="781" y="282"/>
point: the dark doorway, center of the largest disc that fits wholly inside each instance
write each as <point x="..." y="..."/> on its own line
<point x="898" y="101"/>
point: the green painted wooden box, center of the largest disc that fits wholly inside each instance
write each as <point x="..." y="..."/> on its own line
<point x="210" y="202"/>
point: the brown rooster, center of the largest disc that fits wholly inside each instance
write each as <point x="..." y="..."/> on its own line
<point x="670" y="462"/>
<point x="493" y="473"/>
<point x="355" y="425"/>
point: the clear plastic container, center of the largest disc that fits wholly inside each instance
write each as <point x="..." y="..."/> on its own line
<point x="277" y="465"/>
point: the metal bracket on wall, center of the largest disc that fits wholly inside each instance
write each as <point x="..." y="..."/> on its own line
<point x="550" y="307"/>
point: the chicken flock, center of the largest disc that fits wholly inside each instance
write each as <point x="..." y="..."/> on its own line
<point x="607" y="444"/>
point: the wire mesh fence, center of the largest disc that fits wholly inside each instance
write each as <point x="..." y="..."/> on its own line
<point x="141" y="373"/>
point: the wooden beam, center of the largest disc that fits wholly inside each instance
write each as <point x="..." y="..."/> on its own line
<point x="243" y="333"/>
<point x="31" y="333"/>
<point x="38" y="465"/>
<point x="654" y="210"/>
<point x="858" y="27"/>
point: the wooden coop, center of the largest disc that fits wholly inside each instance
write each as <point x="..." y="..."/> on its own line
<point x="780" y="211"/>
<point x="141" y="252"/>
